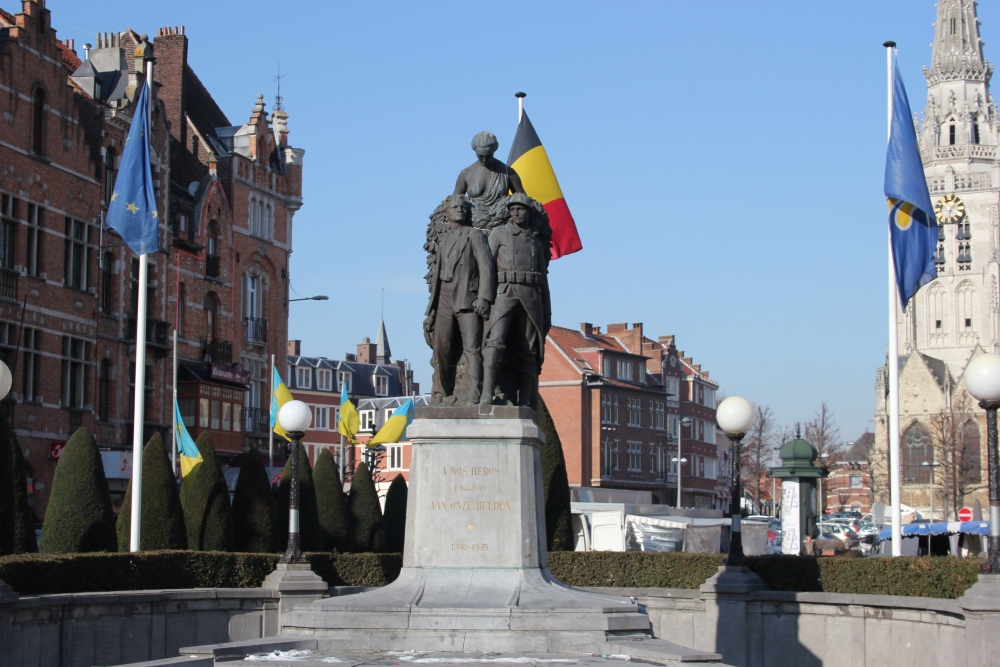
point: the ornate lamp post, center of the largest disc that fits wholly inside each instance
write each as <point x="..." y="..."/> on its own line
<point x="735" y="416"/>
<point x="294" y="417"/>
<point x="930" y="486"/>
<point x="982" y="379"/>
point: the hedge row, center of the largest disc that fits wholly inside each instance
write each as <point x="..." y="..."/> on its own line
<point x="40" y="574"/>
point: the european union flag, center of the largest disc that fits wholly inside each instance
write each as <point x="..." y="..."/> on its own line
<point x="912" y="225"/>
<point x="132" y="211"/>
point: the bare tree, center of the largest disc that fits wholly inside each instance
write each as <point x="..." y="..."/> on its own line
<point x="824" y="434"/>
<point x="957" y="448"/>
<point x="758" y="446"/>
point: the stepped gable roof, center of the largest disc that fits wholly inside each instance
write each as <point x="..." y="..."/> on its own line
<point x="68" y="56"/>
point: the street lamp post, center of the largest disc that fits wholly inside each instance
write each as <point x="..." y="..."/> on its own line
<point x="982" y="379"/>
<point x="318" y="297"/>
<point x="735" y="416"/>
<point x="681" y="425"/>
<point x="294" y="417"/>
<point x="930" y="486"/>
<point x="822" y="504"/>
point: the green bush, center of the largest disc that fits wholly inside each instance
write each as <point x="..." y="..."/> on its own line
<point x="24" y="518"/>
<point x="255" y="522"/>
<point x="394" y="518"/>
<point x="331" y="505"/>
<point x="555" y="485"/>
<point x="162" y="521"/>
<point x="310" y="535"/>
<point x="79" y="517"/>
<point x="44" y="574"/>
<point x="208" y="517"/>
<point x="366" y="512"/>
<point x="641" y="570"/>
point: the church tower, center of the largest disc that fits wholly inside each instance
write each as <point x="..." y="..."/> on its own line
<point x="956" y="315"/>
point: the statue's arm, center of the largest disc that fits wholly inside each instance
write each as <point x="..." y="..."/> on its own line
<point x="461" y="187"/>
<point x="515" y="181"/>
<point x="487" y="267"/>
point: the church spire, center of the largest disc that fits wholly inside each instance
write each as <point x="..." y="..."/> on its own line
<point x="382" y="353"/>
<point x="958" y="51"/>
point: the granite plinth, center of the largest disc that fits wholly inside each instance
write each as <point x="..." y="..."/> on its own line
<point x="475" y="575"/>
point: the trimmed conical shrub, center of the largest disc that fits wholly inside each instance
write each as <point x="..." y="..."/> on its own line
<point x="331" y="503"/>
<point x="366" y="513"/>
<point x="208" y="515"/>
<point x="254" y="517"/>
<point x="79" y="516"/>
<point x="24" y="518"/>
<point x="394" y="518"/>
<point x="310" y="534"/>
<point x="8" y="502"/>
<point x="161" y="524"/>
<point x="555" y="485"/>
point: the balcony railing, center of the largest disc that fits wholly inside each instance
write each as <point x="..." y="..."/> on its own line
<point x="211" y="266"/>
<point x="157" y="332"/>
<point x="8" y="284"/>
<point x="256" y="329"/>
<point x="258" y="420"/>
<point x="217" y="351"/>
<point x="75" y="419"/>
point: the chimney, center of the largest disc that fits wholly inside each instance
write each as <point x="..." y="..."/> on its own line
<point x="367" y="351"/>
<point x="587" y="328"/>
<point x="295" y="348"/>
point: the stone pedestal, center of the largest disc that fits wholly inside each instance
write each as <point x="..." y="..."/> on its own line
<point x="981" y="605"/>
<point x="296" y="584"/>
<point x="475" y="575"/>
<point x="725" y="595"/>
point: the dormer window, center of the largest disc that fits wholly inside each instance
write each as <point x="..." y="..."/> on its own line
<point x="344" y="381"/>
<point x="303" y="377"/>
<point x="367" y="419"/>
<point x="381" y="385"/>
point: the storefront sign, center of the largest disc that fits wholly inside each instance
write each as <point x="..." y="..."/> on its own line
<point x="230" y="374"/>
<point x="55" y="450"/>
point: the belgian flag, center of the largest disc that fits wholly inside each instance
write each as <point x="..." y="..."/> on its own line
<point x="529" y="160"/>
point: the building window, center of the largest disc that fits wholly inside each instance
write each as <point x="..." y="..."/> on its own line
<point x="181" y="305"/>
<point x="917" y="448"/>
<point x="635" y="456"/>
<point x="710" y="471"/>
<point x="634" y="411"/>
<point x="211" y="316"/>
<point x="324" y="379"/>
<point x="321" y="418"/>
<point x="657" y="415"/>
<point x="344" y="381"/>
<point x="73" y="364"/>
<point x="606" y="412"/>
<point x="606" y="367"/>
<point x="970" y="459"/>
<point x="8" y="227"/>
<point x="104" y="391"/>
<point x="642" y="373"/>
<point x="38" y="123"/>
<point x="966" y="304"/>
<point x="381" y="385"/>
<point x="33" y="241"/>
<point x="609" y="457"/>
<point x="77" y="245"/>
<point x="203" y="413"/>
<point x="227" y="416"/>
<point x="216" y="414"/>
<point x="109" y="174"/>
<point x="394" y="457"/>
<point x="367" y="418"/>
<point x="855" y="481"/>
<point x="625" y="370"/>
<point x="303" y="377"/>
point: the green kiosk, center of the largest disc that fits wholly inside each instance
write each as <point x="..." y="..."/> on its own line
<point x="799" y="506"/>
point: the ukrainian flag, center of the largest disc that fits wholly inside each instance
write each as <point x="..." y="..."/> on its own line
<point x="529" y="159"/>
<point x="912" y="225"/>
<point x="279" y="396"/>
<point x="395" y="425"/>
<point x="190" y="456"/>
<point x="349" y="422"/>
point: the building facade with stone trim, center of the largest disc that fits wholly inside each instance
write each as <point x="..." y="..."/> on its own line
<point x="957" y="315"/>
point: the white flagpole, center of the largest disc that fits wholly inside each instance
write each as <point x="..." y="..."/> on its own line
<point x="270" y="439"/>
<point x="140" y="373"/>
<point x="173" y="411"/>
<point x="895" y="490"/>
<point x="520" y="104"/>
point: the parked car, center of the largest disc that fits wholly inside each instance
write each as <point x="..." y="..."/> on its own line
<point x="842" y="532"/>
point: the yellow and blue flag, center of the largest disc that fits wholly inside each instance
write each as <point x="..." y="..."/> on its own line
<point x="395" y="425"/>
<point x="132" y="210"/>
<point x="188" y="451"/>
<point x="349" y="421"/>
<point x="912" y="225"/>
<point x="279" y="396"/>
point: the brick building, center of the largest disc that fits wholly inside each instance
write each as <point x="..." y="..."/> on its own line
<point x="848" y="487"/>
<point x="617" y="399"/>
<point x="68" y="286"/>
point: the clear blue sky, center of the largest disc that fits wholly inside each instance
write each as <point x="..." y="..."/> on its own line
<point x="723" y="161"/>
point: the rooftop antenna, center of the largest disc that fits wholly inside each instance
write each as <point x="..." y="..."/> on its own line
<point x="278" y="98"/>
<point x="382" y="314"/>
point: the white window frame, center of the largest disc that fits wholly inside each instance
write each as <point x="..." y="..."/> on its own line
<point x="324" y="379"/>
<point x="381" y="383"/>
<point x="342" y="377"/>
<point x="321" y="418"/>
<point x="394" y="457"/>
<point x="634" y="456"/>
<point x="367" y="419"/>
<point x="303" y="377"/>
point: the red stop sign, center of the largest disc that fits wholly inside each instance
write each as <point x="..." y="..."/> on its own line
<point x="965" y="514"/>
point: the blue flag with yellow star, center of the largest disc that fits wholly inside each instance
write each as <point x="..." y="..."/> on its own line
<point x="912" y="225"/>
<point x="132" y="211"/>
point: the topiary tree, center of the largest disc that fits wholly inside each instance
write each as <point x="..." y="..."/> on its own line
<point x="366" y="513"/>
<point x="17" y="521"/>
<point x="255" y="522"/>
<point x="161" y="523"/>
<point x="310" y="534"/>
<point x="555" y="485"/>
<point x="332" y="506"/>
<point x="79" y="516"/>
<point x="208" y="517"/>
<point x="394" y="518"/>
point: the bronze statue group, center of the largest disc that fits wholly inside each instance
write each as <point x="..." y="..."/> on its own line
<point x="488" y="251"/>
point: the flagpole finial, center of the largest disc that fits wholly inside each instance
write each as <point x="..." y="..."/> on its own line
<point x="889" y="44"/>
<point x="520" y="95"/>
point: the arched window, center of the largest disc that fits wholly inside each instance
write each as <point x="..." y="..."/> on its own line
<point x="109" y="174"/>
<point x="935" y="309"/>
<point x="211" y="316"/>
<point x="917" y="448"/>
<point x="212" y="250"/>
<point x="975" y="130"/>
<point x="970" y="466"/>
<point x="104" y="391"/>
<point x="38" y="122"/>
<point x="951" y="132"/>
<point x="181" y="306"/>
<point x="966" y="299"/>
<point x="252" y="295"/>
